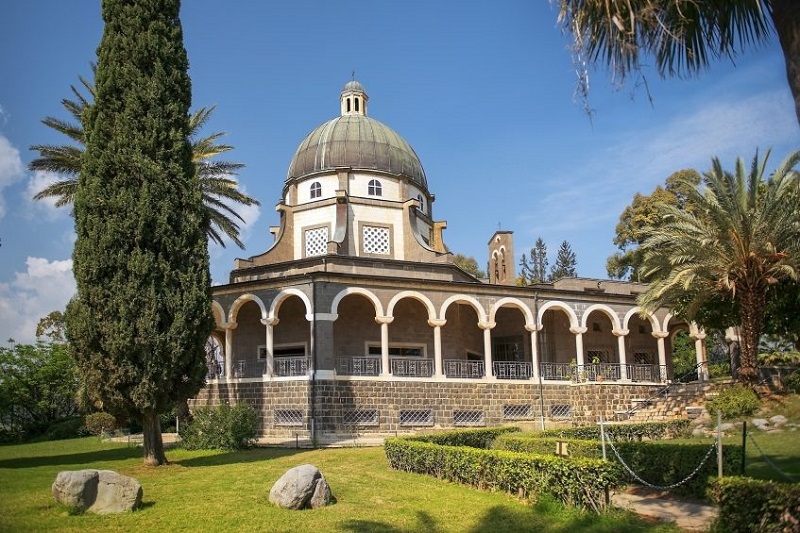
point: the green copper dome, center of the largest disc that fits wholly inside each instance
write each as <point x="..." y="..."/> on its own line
<point x="357" y="141"/>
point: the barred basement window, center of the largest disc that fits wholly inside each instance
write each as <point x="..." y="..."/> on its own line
<point x="561" y="411"/>
<point x="375" y="240"/>
<point x="360" y="417"/>
<point x="416" y="417"/>
<point x="468" y="418"/>
<point x="316" y="241"/>
<point x="517" y="412"/>
<point x="288" y="417"/>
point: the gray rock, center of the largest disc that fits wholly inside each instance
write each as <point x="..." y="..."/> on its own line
<point x="76" y="488"/>
<point x="97" y="491"/>
<point x="698" y="431"/>
<point x="301" y="487"/>
<point x="778" y="420"/>
<point x="760" y="423"/>
<point x="725" y="426"/>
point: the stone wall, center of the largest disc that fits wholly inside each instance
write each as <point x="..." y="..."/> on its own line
<point x="390" y="407"/>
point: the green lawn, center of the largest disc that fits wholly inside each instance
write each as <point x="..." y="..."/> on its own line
<point x="213" y="491"/>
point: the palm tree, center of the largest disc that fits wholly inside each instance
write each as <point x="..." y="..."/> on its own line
<point x="217" y="178"/>
<point x="741" y="238"/>
<point x="683" y="36"/>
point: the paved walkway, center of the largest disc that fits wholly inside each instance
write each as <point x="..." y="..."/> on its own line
<point x="687" y="515"/>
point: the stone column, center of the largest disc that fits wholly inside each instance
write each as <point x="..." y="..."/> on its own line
<point x="700" y="353"/>
<point x="270" y="323"/>
<point x="662" y="353"/>
<point x="384" y="321"/>
<point x="437" y="346"/>
<point x="578" y="332"/>
<point x="623" y="356"/>
<point x="534" y="330"/>
<point x="229" y="327"/>
<point x="487" y="348"/>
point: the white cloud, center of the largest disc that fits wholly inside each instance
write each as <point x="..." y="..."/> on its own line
<point x="45" y="286"/>
<point x="11" y="168"/>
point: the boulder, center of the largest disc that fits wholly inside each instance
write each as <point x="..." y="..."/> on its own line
<point x="97" y="491"/>
<point x="778" y="420"/>
<point x="301" y="487"/>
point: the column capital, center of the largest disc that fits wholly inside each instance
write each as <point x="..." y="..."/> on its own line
<point x="578" y="331"/>
<point x="701" y="336"/>
<point x="325" y="317"/>
<point x="535" y="327"/>
<point x="229" y="325"/>
<point x="620" y="332"/>
<point x="487" y="325"/>
<point x="660" y="334"/>
<point x="384" y="319"/>
<point x="436" y="322"/>
<point x="271" y="321"/>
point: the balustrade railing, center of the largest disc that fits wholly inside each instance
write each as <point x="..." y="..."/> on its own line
<point x="511" y="370"/>
<point x="656" y="373"/>
<point x="358" y="366"/>
<point x="249" y="368"/>
<point x="557" y="371"/>
<point x="411" y="367"/>
<point x="290" y="366"/>
<point x="459" y="368"/>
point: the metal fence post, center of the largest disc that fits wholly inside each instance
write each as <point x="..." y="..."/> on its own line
<point x="719" y="443"/>
<point x="744" y="446"/>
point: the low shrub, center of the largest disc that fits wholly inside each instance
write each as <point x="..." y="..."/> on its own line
<point x="660" y="463"/>
<point x="791" y="383"/>
<point x="648" y="430"/>
<point x="473" y="438"/>
<point x="581" y="482"/>
<point x="223" y="427"/>
<point x="747" y="504"/>
<point x="734" y="402"/>
<point x="100" y="422"/>
<point x="68" y="428"/>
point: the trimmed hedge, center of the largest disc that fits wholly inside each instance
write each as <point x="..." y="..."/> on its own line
<point x="661" y="463"/>
<point x="648" y="430"/>
<point x="581" y="482"/>
<point x="747" y="505"/>
<point x="473" y="438"/>
<point x="222" y="427"/>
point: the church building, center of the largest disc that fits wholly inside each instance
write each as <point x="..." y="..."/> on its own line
<point x="357" y="319"/>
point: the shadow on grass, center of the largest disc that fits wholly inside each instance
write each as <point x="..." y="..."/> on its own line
<point x="237" y="457"/>
<point x="424" y="523"/>
<point x="113" y="454"/>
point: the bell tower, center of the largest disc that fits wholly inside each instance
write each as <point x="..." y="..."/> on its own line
<point x="501" y="258"/>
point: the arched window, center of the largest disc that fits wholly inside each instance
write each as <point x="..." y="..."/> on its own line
<point x="356" y="101"/>
<point x="316" y="190"/>
<point x="348" y="105"/>
<point x="421" y="203"/>
<point x="375" y="188"/>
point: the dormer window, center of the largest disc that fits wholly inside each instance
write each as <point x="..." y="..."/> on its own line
<point x="375" y="188"/>
<point x="316" y="190"/>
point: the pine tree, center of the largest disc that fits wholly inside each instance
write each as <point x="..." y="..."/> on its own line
<point x="566" y="263"/>
<point x="143" y="310"/>
<point x="539" y="261"/>
<point x="524" y="271"/>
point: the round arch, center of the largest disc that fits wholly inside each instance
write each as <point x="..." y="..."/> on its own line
<point x="606" y="310"/>
<point x="243" y="299"/>
<point x="283" y="295"/>
<point x="512" y="302"/>
<point x="638" y="310"/>
<point x="557" y="304"/>
<point x="218" y="312"/>
<point x="463" y="298"/>
<point x="414" y="295"/>
<point x="369" y="295"/>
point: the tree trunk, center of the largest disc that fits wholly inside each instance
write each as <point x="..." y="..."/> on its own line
<point x="752" y="305"/>
<point x="786" y="18"/>
<point x="153" y="444"/>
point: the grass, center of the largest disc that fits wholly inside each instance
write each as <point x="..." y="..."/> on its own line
<point x="215" y="491"/>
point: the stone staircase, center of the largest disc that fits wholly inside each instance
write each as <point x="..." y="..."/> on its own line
<point x="676" y="401"/>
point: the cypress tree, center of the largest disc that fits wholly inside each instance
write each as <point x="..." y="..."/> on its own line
<point x="539" y="261"/>
<point x="566" y="263"/>
<point x="143" y="310"/>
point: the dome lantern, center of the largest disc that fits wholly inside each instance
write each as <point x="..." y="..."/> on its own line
<point x="353" y="99"/>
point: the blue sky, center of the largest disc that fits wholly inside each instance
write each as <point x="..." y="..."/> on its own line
<point x="482" y="91"/>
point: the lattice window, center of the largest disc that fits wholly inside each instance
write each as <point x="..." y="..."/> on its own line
<point x="288" y="417"/>
<point x="561" y="411"/>
<point x="375" y="240"/>
<point x="421" y="417"/>
<point x="598" y="355"/>
<point x="468" y="418"/>
<point x="517" y="412"/>
<point x="316" y="241"/>
<point x="360" y="417"/>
